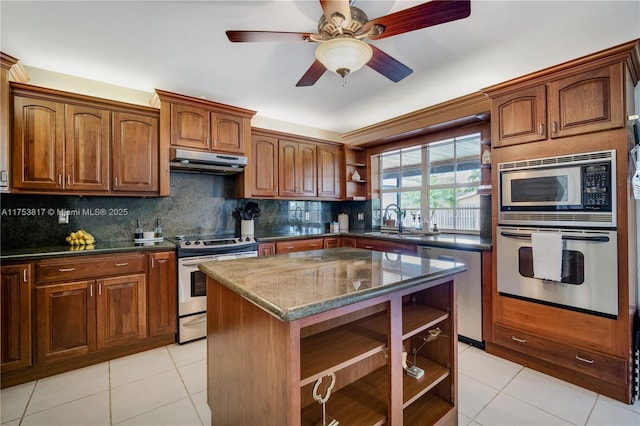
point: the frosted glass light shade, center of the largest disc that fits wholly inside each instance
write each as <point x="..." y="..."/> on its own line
<point x="343" y="55"/>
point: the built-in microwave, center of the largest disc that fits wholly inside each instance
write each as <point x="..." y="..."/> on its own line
<point x="571" y="190"/>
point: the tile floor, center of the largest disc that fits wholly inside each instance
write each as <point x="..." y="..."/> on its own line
<point x="167" y="386"/>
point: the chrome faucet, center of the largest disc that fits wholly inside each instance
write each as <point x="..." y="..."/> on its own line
<point x="399" y="215"/>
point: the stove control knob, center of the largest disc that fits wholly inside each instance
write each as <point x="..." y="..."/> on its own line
<point x="197" y="242"/>
<point x="187" y="243"/>
<point x="247" y="239"/>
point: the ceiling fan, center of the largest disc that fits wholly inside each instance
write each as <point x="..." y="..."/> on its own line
<point x="341" y="31"/>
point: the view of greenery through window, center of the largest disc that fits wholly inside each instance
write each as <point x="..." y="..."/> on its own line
<point x="434" y="183"/>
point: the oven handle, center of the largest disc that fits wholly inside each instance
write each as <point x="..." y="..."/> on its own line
<point x="564" y="237"/>
<point x="195" y="321"/>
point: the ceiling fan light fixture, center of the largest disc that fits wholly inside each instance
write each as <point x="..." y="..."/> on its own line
<point x="344" y="55"/>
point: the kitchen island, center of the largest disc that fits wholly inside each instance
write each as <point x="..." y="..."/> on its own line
<point x="279" y="327"/>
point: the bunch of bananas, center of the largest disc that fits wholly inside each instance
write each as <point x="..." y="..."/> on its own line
<point x="81" y="238"/>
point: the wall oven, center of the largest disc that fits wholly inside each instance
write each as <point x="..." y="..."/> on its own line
<point x="589" y="269"/>
<point x="192" y="283"/>
<point x="571" y="190"/>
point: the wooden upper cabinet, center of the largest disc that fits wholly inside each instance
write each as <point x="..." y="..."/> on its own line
<point x="297" y="169"/>
<point x="588" y="102"/>
<point x="329" y="171"/>
<point x="135" y="153"/>
<point x="190" y="127"/>
<point x="38" y="144"/>
<point x="194" y="123"/>
<point x="558" y="104"/>
<point x="519" y="117"/>
<point x="87" y="138"/>
<point x="264" y="166"/>
<point x="227" y="133"/>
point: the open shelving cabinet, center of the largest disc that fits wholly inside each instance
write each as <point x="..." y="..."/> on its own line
<point x="361" y="344"/>
<point x="356" y="161"/>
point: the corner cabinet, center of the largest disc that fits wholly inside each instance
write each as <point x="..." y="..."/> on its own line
<point x="356" y="173"/>
<point x="578" y="97"/>
<point x="72" y="144"/>
<point x="361" y="344"/>
<point x="15" y="326"/>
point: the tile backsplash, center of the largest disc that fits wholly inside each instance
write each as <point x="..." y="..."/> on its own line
<point x="199" y="204"/>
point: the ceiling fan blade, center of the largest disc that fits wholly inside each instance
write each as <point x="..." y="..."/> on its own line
<point x="259" y="36"/>
<point x="329" y="7"/>
<point x="312" y="75"/>
<point x="421" y="16"/>
<point x="388" y="66"/>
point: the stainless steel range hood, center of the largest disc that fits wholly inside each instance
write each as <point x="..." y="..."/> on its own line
<point x="185" y="160"/>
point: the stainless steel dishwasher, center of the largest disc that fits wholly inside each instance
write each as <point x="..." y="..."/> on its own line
<point x="468" y="288"/>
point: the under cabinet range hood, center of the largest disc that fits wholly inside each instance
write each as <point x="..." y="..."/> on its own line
<point x="186" y="160"/>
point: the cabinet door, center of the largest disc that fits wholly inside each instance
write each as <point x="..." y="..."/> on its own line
<point x="87" y="138"/>
<point x="135" y="153"/>
<point x="519" y="117"/>
<point x="266" y="249"/>
<point x="264" y="166"/>
<point x="162" y="292"/>
<point x="121" y="310"/>
<point x="308" y="169"/>
<point x="329" y="166"/>
<point x="227" y="133"/>
<point x="287" y="168"/>
<point x="15" y="325"/>
<point x="38" y="144"/>
<point x="588" y="102"/>
<point x="190" y="127"/>
<point x="65" y="320"/>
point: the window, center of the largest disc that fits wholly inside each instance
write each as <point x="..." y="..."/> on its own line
<point x="437" y="183"/>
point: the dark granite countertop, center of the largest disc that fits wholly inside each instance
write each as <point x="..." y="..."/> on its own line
<point x="34" y="253"/>
<point x="459" y="241"/>
<point x="332" y="278"/>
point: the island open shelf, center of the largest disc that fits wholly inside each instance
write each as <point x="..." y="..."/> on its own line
<point x="264" y="357"/>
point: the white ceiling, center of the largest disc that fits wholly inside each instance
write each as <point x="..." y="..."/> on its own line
<point x="180" y="46"/>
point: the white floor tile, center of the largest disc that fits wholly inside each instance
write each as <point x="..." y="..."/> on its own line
<point x="181" y="412"/>
<point x="635" y="407"/>
<point x="200" y="401"/>
<point x="67" y="387"/>
<point x="509" y="411"/>
<point x="606" y="413"/>
<point x="463" y="420"/>
<point x="14" y="400"/>
<point x="194" y="376"/>
<point x="138" y="366"/>
<point x="188" y="353"/>
<point x="145" y="395"/>
<point x="473" y="395"/>
<point x="562" y="399"/>
<point x="90" y="411"/>
<point x="486" y="368"/>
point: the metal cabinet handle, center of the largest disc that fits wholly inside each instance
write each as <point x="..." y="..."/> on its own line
<point x="60" y="179"/>
<point x="554" y="127"/>
<point x="100" y="289"/>
<point x="588" y="361"/>
<point x="116" y="181"/>
<point x="91" y="290"/>
<point x="24" y="275"/>
<point x="313" y="245"/>
<point x="541" y="129"/>
<point x="69" y="180"/>
<point x="66" y="269"/>
<point x="152" y="263"/>
<point x="122" y="264"/>
<point x="515" y="339"/>
<point x="369" y="247"/>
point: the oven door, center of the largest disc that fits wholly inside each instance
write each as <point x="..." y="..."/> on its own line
<point x="192" y="285"/>
<point x="589" y="270"/>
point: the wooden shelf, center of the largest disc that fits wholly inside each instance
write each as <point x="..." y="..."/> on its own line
<point x="341" y="347"/>
<point x="356" y="164"/>
<point x="363" y="402"/>
<point x="434" y="373"/>
<point x="417" y="317"/>
<point x="427" y="410"/>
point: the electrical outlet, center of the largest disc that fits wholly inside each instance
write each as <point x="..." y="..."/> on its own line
<point x="63" y="216"/>
<point x="306" y="215"/>
<point x="361" y="216"/>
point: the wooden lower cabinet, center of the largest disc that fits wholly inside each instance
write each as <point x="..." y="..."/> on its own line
<point x="361" y="344"/>
<point x="292" y="246"/>
<point x="85" y="309"/>
<point x="162" y="293"/>
<point x="266" y="249"/>
<point x="386" y="246"/>
<point x="15" y="305"/>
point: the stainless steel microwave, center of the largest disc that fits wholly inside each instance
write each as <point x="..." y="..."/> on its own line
<point x="571" y="190"/>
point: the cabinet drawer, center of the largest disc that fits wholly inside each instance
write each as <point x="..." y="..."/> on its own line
<point x="299" y="245"/>
<point x="52" y="270"/>
<point x="598" y="365"/>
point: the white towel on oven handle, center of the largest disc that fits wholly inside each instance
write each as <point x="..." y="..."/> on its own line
<point x="547" y="255"/>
